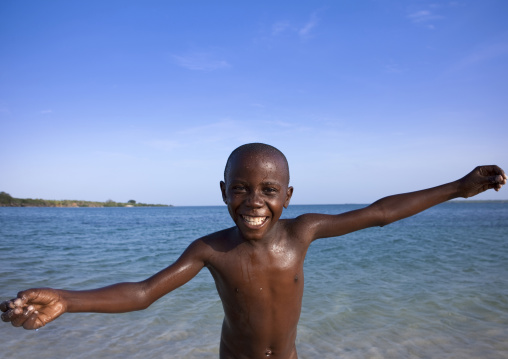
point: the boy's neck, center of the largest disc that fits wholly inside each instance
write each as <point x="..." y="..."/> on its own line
<point x="265" y="241"/>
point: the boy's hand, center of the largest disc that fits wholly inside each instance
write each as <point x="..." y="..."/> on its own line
<point x="481" y="179"/>
<point x="33" y="308"/>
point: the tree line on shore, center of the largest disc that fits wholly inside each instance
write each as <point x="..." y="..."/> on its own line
<point x="6" y="200"/>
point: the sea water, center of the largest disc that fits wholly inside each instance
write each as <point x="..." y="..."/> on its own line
<point x="431" y="286"/>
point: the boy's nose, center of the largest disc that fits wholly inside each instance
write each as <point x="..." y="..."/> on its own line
<point x="254" y="200"/>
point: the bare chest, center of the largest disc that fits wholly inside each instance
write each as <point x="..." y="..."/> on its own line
<point x="274" y="272"/>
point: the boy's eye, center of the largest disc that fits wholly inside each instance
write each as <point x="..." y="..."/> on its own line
<point x="270" y="190"/>
<point x="238" y="188"/>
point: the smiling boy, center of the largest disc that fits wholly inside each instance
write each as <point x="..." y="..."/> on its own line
<point x="257" y="265"/>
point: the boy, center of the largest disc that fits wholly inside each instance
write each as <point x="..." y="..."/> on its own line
<point x="257" y="265"/>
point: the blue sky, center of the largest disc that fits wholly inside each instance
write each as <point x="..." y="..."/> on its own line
<point x="145" y="100"/>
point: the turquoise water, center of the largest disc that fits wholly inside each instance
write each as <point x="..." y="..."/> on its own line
<point x="431" y="286"/>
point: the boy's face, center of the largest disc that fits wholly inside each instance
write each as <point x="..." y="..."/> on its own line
<point x="256" y="191"/>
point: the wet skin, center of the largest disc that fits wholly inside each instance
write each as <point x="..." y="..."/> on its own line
<point x="260" y="280"/>
<point x="257" y="265"/>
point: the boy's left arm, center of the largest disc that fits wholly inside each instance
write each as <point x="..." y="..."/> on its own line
<point x="394" y="208"/>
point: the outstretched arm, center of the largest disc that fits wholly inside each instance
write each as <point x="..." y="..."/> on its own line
<point x="34" y="308"/>
<point x="394" y="208"/>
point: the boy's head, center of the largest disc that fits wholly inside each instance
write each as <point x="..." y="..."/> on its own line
<point x="256" y="188"/>
<point x="256" y="149"/>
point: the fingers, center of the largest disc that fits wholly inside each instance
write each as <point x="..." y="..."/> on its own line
<point x="13" y="303"/>
<point x="8" y="315"/>
<point x="497" y="181"/>
<point x="32" y="309"/>
<point x="27" y="317"/>
<point x="20" y="319"/>
<point x="9" y="308"/>
<point x="481" y="179"/>
<point x="18" y="302"/>
<point x="494" y="175"/>
<point x="33" y="321"/>
<point x="491" y="170"/>
<point x="6" y="305"/>
<point x="28" y="295"/>
<point x="16" y="311"/>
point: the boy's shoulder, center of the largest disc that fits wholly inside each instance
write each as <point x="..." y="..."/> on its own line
<point x="307" y="227"/>
<point x="301" y="224"/>
<point x="222" y="241"/>
<point x="300" y="229"/>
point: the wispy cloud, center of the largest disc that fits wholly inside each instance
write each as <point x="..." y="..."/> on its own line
<point x="483" y="54"/>
<point x="304" y="31"/>
<point x="258" y="105"/>
<point x="200" y="61"/>
<point x="45" y="112"/>
<point x="280" y="27"/>
<point x="424" y="17"/>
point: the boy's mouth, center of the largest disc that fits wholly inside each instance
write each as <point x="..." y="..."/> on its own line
<point x="254" y="221"/>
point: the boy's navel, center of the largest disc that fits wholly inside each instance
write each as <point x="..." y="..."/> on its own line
<point x="296" y="278"/>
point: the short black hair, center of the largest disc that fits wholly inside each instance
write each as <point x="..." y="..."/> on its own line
<point x="255" y="147"/>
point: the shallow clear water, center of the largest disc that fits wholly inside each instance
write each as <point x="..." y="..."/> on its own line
<point x="431" y="286"/>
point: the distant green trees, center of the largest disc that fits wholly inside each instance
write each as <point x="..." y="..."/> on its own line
<point x="6" y="200"/>
<point x="110" y="203"/>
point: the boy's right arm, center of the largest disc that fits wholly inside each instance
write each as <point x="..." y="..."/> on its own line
<point x="34" y="308"/>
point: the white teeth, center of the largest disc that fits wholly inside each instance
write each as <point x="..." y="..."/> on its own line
<point x="255" y="221"/>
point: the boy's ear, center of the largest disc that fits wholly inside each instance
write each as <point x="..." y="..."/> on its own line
<point x="223" y="190"/>
<point x="289" y="193"/>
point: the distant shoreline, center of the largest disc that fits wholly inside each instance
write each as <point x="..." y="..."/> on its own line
<point x="7" y="200"/>
<point x="479" y="201"/>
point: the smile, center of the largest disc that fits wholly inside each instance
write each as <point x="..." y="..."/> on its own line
<point x="254" y="221"/>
